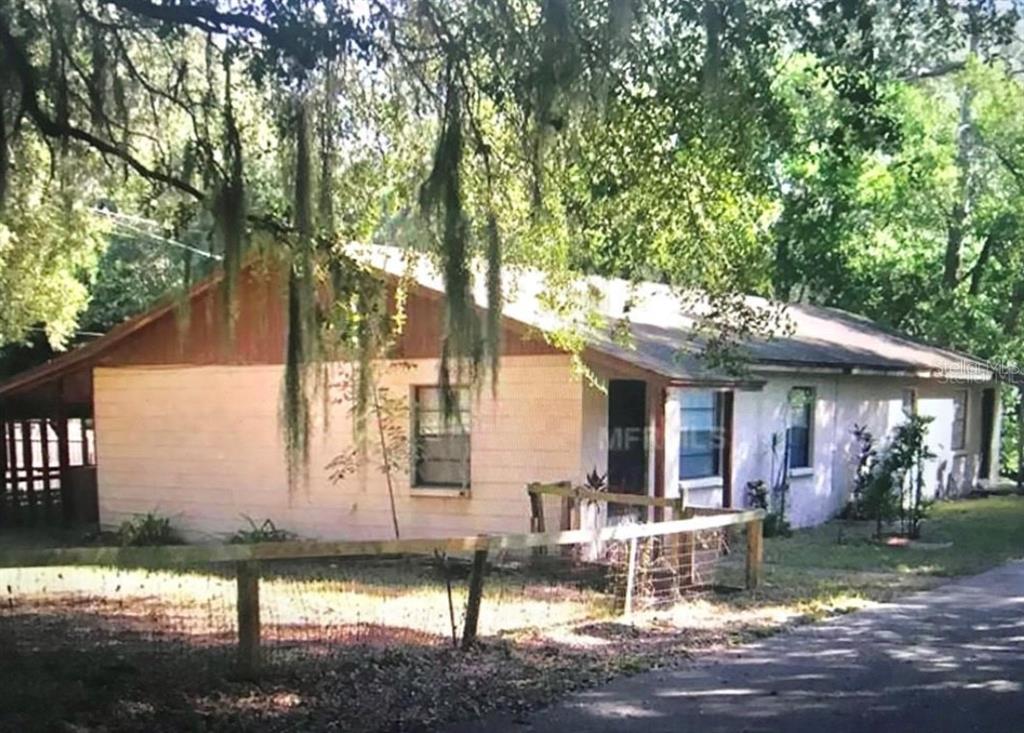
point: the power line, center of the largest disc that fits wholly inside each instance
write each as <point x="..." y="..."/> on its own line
<point x="126" y="221"/>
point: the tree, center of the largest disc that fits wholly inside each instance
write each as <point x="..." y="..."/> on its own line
<point x="641" y="138"/>
<point x="921" y="229"/>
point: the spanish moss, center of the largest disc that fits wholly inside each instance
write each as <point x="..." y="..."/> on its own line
<point x="441" y="197"/>
<point x="229" y="209"/>
<point x="301" y="348"/>
<point x="494" y="297"/>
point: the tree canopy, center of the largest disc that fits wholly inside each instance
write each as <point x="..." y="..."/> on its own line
<point x="861" y="153"/>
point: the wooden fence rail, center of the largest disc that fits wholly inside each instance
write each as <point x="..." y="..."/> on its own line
<point x="247" y="558"/>
<point x="573" y="496"/>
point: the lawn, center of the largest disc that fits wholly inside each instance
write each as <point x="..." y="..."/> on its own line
<point x="839" y="566"/>
<point x="366" y="646"/>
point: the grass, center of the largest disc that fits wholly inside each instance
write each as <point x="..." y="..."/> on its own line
<point x="839" y="566"/>
<point x="79" y="643"/>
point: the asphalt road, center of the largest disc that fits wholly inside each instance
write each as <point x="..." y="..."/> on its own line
<point x="951" y="659"/>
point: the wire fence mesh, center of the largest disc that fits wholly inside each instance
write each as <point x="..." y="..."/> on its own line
<point x="311" y="608"/>
<point x="355" y="643"/>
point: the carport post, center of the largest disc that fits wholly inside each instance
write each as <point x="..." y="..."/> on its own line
<point x="67" y="501"/>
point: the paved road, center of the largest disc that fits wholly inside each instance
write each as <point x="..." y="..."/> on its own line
<point x="951" y="659"/>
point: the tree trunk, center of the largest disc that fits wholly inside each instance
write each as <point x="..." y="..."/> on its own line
<point x="4" y="161"/>
<point x="711" y="15"/>
<point x="961" y="209"/>
<point x="1020" y="442"/>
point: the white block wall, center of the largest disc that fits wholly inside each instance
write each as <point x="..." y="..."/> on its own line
<point x="841" y="401"/>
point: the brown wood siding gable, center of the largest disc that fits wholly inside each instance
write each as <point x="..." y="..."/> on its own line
<point x="198" y="337"/>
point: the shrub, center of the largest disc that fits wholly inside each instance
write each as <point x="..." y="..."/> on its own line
<point x="880" y="500"/>
<point x="894" y="487"/>
<point x="266" y="531"/>
<point x="775" y="522"/>
<point x="867" y="458"/>
<point x="776" y="525"/>
<point x="146" y="530"/>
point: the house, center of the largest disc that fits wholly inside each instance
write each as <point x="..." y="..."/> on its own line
<point x="186" y="426"/>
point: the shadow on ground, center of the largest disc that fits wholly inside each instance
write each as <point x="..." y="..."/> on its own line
<point x="947" y="660"/>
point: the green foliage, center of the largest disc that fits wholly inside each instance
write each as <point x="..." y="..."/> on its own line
<point x="720" y="147"/>
<point x="49" y="244"/>
<point x="894" y="482"/>
<point x="859" y="506"/>
<point x="265" y="531"/>
<point x="880" y="497"/>
<point x="920" y="230"/>
<point x="133" y="273"/>
<point x="146" y="530"/>
<point x="775" y="522"/>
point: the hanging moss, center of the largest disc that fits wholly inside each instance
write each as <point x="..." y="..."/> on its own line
<point x="494" y="297"/>
<point x="301" y="350"/>
<point x="441" y="199"/>
<point x="229" y="209"/>
<point x="295" y="402"/>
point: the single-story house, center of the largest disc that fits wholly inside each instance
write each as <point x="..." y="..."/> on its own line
<point x="181" y="424"/>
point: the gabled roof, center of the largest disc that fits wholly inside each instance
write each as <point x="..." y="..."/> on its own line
<point x="661" y="327"/>
<point x="663" y="338"/>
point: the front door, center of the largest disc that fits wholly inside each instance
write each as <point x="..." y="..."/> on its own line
<point x="627" y="444"/>
<point x="988" y="416"/>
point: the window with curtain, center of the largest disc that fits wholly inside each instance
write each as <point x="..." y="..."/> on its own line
<point x="441" y="442"/>
<point x="702" y="426"/>
<point x="959" y="440"/>
<point x="800" y="425"/>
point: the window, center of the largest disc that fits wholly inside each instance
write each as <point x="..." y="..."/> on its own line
<point x="441" y="455"/>
<point x="959" y="439"/>
<point x="909" y="401"/>
<point x="702" y="422"/>
<point x="799" y="427"/>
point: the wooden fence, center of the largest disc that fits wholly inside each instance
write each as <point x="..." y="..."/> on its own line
<point x="247" y="560"/>
<point x="682" y="545"/>
<point x="574" y="496"/>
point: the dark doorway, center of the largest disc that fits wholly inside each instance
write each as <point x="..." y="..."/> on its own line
<point x="725" y="438"/>
<point x="627" y="444"/>
<point x="988" y="415"/>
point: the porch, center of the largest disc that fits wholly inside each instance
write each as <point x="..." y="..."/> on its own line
<point x="661" y="439"/>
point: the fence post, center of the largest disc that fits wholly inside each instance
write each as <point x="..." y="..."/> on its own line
<point x="248" y="580"/>
<point x="755" y="553"/>
<point x="476" y="592"/>
<point x="630" y="578"/>
<point x="688" y="554"/>
<point x="678" y="508"/>
<point x="536" y="515"/>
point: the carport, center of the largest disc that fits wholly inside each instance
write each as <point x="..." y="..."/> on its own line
<point x="47" y="447"/>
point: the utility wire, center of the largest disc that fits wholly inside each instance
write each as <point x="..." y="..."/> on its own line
<point x="126" y="221"/>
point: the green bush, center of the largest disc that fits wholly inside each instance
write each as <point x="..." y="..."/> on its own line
<point x="776" y="525"/>
<point x="146" y="530"/>
<point x="266" y="531"/>
<point x="775" y="522"/>
<point x="867" y="459"/>
<point x="894" y="486"/>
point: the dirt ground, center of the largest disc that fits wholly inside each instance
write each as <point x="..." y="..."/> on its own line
<point x="368" y="648"/>
<point x="88" y="668"/>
